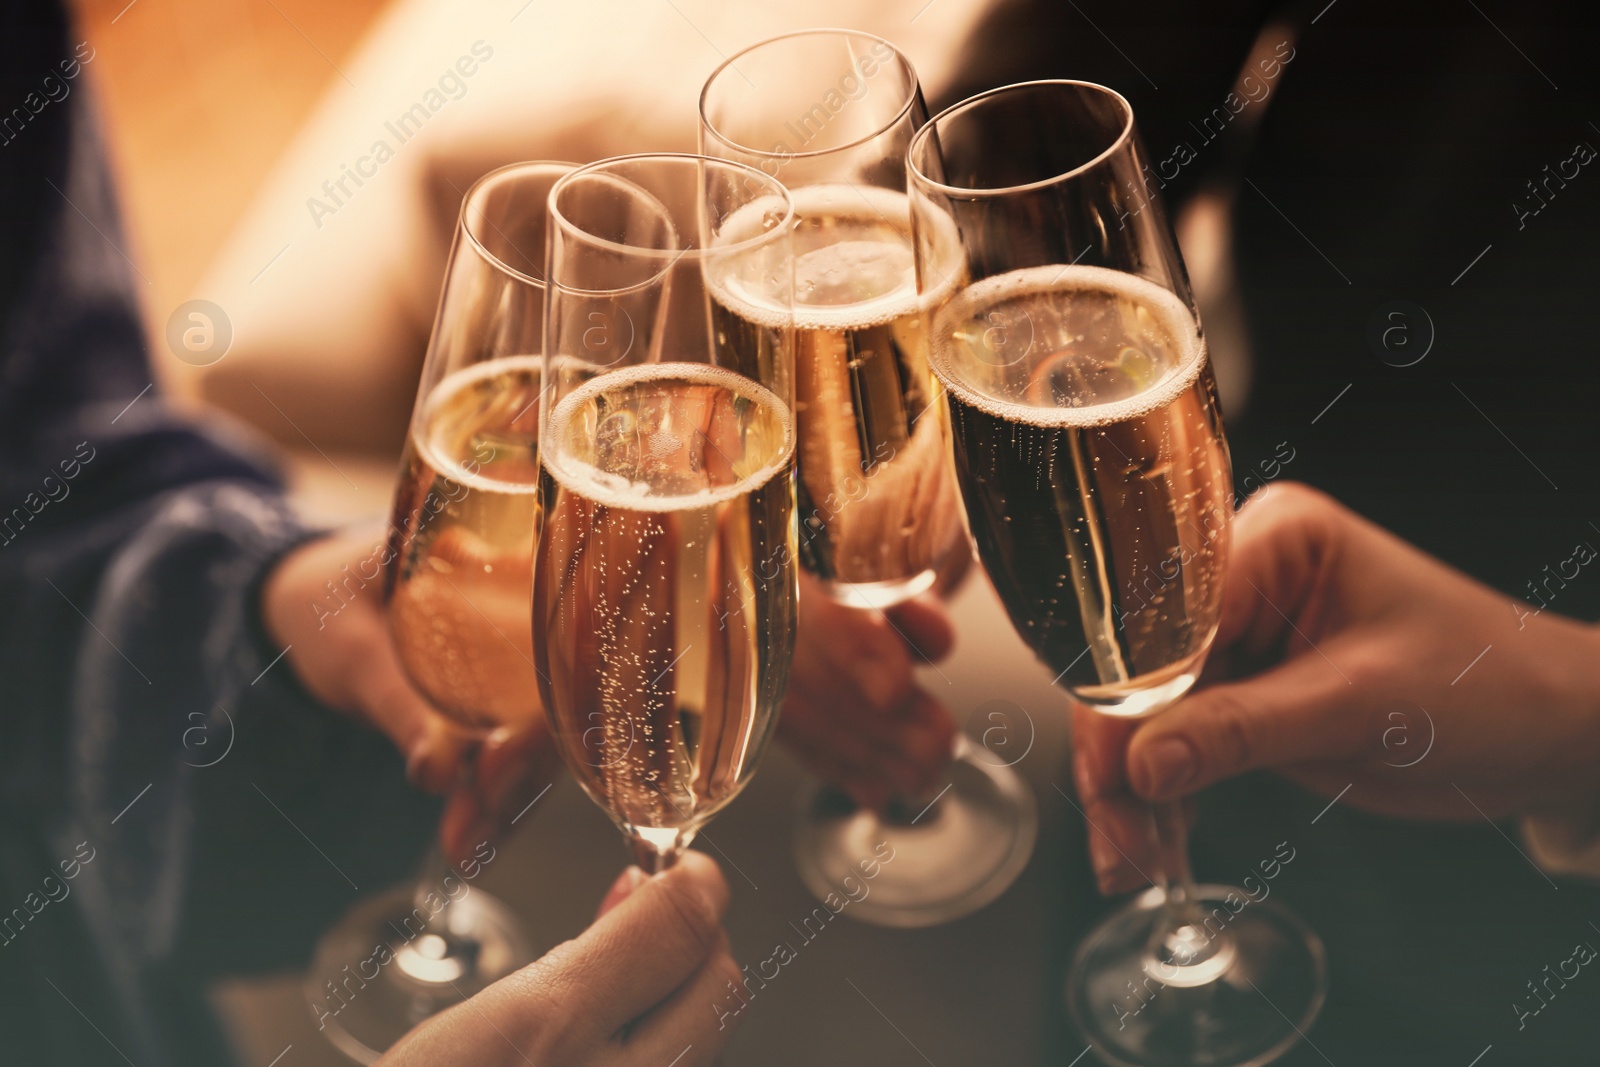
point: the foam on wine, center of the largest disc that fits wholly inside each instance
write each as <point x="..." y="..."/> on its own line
<point x="1172" y="345"/>
<point x="606" y="486"/>
<point x="450" y="437"/>
<point x="853" y="262"/>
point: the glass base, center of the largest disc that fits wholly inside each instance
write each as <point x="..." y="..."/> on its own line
<point x="921" y="863"/>
<point x="1137" y="703"/>
<point x="389" y="964"/>
<point x="880" y="595"/>
<point x="1259" y="988"/>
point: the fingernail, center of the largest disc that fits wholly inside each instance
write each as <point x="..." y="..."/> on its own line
<point x="629" y="880"/>
<point x="1169" y="765"/>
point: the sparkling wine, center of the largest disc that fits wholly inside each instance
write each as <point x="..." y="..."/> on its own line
<point x="664" y="588"/>
<point x="877" y="499"/>
<point x="1094" y="471"/>
<point x="459" y="576"/>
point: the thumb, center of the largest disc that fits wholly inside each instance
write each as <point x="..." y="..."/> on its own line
<point x="1298" y="712"/>
<point x="648" y="944"/>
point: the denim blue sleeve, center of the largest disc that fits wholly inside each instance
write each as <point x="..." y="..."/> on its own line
<point x="211" y="815"/>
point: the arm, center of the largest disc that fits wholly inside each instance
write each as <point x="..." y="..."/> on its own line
<point x="346" y="660"/>
<point x="149" y="716"/>
<point x="854" y="712"/>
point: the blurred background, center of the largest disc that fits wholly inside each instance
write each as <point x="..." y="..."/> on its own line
<point x="200" y="102"/>
<point x="226" y="120"/>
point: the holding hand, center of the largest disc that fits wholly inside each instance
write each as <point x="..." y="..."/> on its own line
<point x="854" y="712"/>
<point x="637" y="988"/>
<point x="347" y="660"/>
<point x="1334" y="632"/>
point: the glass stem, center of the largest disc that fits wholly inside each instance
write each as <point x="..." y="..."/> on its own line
<point x="650" y="859"/>
<point x="429" y="882"/>
<point x="435" y="952"/>
<point x="1175" y="877"/>
<point x="1182" y="951"/>
<point x="436" y="867"/>
<point x="657" y="848"/>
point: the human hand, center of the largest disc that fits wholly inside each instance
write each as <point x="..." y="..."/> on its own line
<point x="639" y="987"/>
<point x="1343" y="653"/>
<point x="854" y="712"/>
<point x="347" y="660"/>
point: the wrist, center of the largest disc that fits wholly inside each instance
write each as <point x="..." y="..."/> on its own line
<point x="1568" y="797"/>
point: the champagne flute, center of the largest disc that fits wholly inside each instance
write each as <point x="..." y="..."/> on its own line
<point x="664" y="577"/>
<point x="830" y="113"/>
<point x="1096" y="479"/>
<point x="457" y="578"/>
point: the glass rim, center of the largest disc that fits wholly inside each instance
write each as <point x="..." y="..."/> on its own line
<point x="962" y="192"/>
<point x="824" y="31"/>
<point x="669" y="257"/>
<point x="481" y="187"/>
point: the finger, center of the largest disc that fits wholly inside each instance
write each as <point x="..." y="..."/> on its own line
<point x="1100" y="745"/>
<point x="908" y="746"/>
<point x="833" y="752"/>
<point x="854" y="713"/>
<point x="874" y="782"/>
<point x="373" y="683"/>
<point x="569" y="1004"/>
<point x="925" y="626"/>
<point x="647" y="946"/>
<point x="681" y="1031"/>
<point x="863" y="660"/>
<point x="1296" y="713"/>
<point x="461" y="827"/>
<point x="927" y="741"/>
<point x="851" y="677"/>
<point x="1284" y="543"/>
<point x="871" y="754"/>
<point x="433" y="748"/>
<point x="875" y="662"/>
<point x="515" y="767"/>
<point x="1122" y="851"/>
<point x="850" y="650"/>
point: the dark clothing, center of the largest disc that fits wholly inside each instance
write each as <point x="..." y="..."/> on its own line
<point x="1397" y="146"/>
<point x="157" y="766"/>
